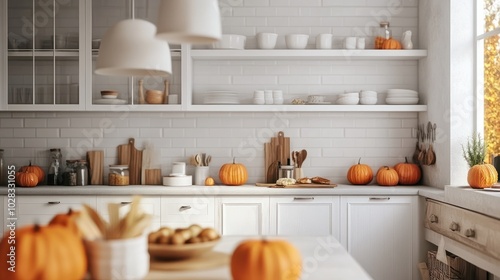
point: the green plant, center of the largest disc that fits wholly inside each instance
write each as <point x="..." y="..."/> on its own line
<point x="475" y="150"/>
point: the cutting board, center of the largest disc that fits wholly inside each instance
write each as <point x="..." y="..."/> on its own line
<point x="277" y="150"/>
<point x="129" y="155"/>
<point x="270" y="185"/>
<point x="208" y="260"/>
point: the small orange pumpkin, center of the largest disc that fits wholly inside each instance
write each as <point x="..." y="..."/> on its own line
<point x="209" y="181"/>
<point x="34" y="169"/>
<point x="387" y="176"/>
<point x="391" y="44"/>
<point x="233" y="174"/>
<point x="482" y="176"/>
<point x="26" y="179"/>
<point x="266" y="259"/>
<point x="43" y="253"/>
<point x="360" y="174"/>
<point x="408" y="173"/>
<point x="66" y="220"/>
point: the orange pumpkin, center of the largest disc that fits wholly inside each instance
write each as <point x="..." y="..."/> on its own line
<point x="26" y="179"/>
<point x="266" y="259"/>
<point x="482" y="176"/>
<point x="66" y="220"/>
<point x="387" y="176"/>
<point x="233" y="174"/>
<point x="209" y="181"/>
<point x="360" y="174"/>
<point x="34" y="169"/>
<point x="391" y="44"/>
<point x="44" y="253"/>
<point x="408" y="173"/>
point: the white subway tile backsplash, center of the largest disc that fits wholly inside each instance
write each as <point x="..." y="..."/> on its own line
<point x="24" y="132"/>
<point x="35" y="143"/>
<point x="58" y="143"/>
<point x="47" y="132"/>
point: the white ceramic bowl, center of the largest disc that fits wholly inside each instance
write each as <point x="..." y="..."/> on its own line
<point x="266" y="40"/>
<point x="368" y="100"/>
<point x="397" y="91"/>
<point x="348" y="94"/>
<point x="348" y="100"/>
<point x="296" y="41"/>
<point x="230" y="41"/>
<point x="315" y="98"/>
<point x="368" y="93"/>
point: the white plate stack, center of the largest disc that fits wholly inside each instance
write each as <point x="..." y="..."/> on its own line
<point x="401" y="97"/>
<point x="221" y="97"/>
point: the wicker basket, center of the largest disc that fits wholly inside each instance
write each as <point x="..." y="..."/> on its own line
<point x="455" y="270"/>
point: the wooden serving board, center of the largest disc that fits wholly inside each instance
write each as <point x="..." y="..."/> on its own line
<point x="129" y="155"/>
<point x="277" y="150"/>
<point x="207" y="260"/>
<point x="312" y="185"/>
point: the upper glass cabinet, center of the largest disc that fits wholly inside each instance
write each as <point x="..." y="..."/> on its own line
<point x="155" y="90"/>
<point x="44" y="62"/>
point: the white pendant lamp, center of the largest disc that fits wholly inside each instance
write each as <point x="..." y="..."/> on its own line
<point x="189" y="21"/>
<point x="130" y="48"/>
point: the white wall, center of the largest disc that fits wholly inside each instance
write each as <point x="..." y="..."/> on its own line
<point x="334" y="140"/>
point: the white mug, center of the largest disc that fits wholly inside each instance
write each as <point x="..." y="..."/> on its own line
<point x="266" y="40"/>
<point x="360" y="43"/>
<point x="350" y="43"/>
<point x="324" y="41"/>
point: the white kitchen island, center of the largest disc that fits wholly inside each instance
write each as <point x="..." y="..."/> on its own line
<point x="322" y="258"/>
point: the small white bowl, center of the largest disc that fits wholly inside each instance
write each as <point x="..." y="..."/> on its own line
<point x="259" y="101"/>
<point x="296" y="41"/>
<point x="368" y="93"/>
<point x="368" y="100"/>
<point x="349" y="94"/>
<point x="266" y="40"/>
<point x="348" y="100"/>
<point x="230" y="41"/>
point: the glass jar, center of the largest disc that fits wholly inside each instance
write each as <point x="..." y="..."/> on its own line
<point x="286" y="171"/>
<point x="383" y="34"/>
<point x="118" y="175"/>
<point x="69" y="175"/>
<point x="82" y="173"/>
<point x="54" y="176"/>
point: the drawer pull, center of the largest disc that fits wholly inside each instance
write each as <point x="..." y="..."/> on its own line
<point x="433" y="219"/>
<point x="54" y="202"/>
<point x="303" y="198"/>
<point x="380" y="198"/>
<point x="184" y="208"/>
<point x="470" y="233"/>
<point x="454" y="227"/>
<point x="125" y="202"/>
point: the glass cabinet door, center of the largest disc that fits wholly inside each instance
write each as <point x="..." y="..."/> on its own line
<point x="104" y="15"/>
<point x="44" y="62"/>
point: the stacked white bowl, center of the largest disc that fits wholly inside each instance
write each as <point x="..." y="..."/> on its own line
<point x="401" y="97"/>
<point x="348" y="98"/>
<point x="368" y="97"/>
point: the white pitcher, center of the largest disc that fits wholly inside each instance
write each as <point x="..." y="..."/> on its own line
<point x="406" y="41"/>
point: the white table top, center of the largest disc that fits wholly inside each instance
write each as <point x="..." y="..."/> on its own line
<point x="322" y="258"/>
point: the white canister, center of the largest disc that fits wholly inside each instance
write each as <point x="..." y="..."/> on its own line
<point x="200" y="174"/>
<point x="119" y="259"/>
<point x="324" y="41"/>
<point x="178" y="169"/>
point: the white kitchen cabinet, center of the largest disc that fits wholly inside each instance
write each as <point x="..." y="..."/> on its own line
<point x="380" y="232"/>
<point x="243" y="215"/>
<point x="149" y="205"/>
<point x="40" y="208"/>
<point x="185" y="211"/>
<point x="305" y="215"/>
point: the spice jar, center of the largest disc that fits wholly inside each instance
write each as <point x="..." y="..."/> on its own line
<point x="54" y="176"/>
<point x="118" y="175"/>
<point x="69" y="175"/>
<point x="383" y="34"/>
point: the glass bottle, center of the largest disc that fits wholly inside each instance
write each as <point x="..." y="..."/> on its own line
<point x="383" y="34"/>
<point x="82" y="173"/>
<point x="69" y="175"/>
<point x="3" y="170"/>
<point x="118" y="175"/>
<point x="54" y="176"/>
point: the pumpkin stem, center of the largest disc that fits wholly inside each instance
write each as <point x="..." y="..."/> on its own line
<point x="406" y="159"/>
<point x="70" y="211"/>
<point x="30" y="163"/>
<point x="36" y="228"/>
<point x="234" y="160"/>
<point x="359" y="160"/>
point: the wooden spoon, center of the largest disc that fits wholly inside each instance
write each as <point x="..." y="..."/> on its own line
<point x="303" y="156"/>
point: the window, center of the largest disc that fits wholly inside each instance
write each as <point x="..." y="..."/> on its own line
<point x="488" y="73"/>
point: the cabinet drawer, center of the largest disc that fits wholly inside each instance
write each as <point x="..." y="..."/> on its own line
<point x="470" y="228"/>
<point x="41" y="209"/>
<point x="150" y="205"/>
<point x="187" y="210"/>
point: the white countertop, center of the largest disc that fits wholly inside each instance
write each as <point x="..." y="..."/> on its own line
<point x="485" y="201"/>
<point x="322" y="257"/>
<point x="222" y="190"/>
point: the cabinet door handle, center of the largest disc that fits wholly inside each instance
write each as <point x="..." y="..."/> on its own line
<point x="379" y="198"/>
<point x="125" y="202"/>
<point x="53" y="202"/>
<point x="454" y="227"/>
<point x="303" y="198"/>
<point x="184" y="208"/>
<point x="433" y="219"/>
<point x="470" y="233"/>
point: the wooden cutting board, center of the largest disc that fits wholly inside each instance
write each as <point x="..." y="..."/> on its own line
<point x="277" y="150"/>
<point x="270" y="185"/>
<point x="208" y="260"/>
<point x="129" y="155"/>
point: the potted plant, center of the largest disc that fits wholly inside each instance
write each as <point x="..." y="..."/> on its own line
<point x="481" y="175"/>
